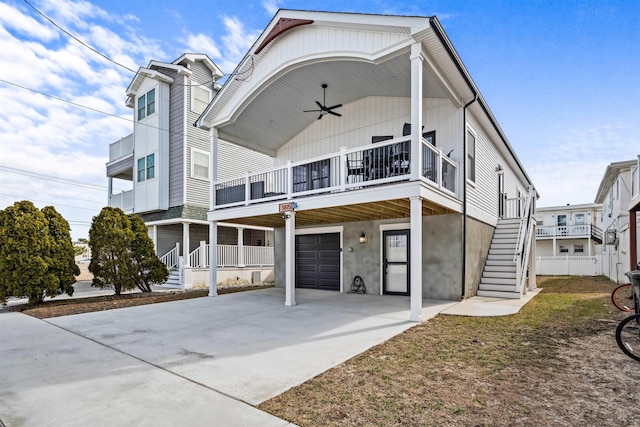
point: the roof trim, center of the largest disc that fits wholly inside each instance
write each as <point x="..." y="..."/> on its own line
<point x="142" y="74"/>
<point x="193" y="57"/>
<point x="610" y="174"/>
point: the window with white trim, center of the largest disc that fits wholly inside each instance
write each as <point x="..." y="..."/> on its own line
<point x="199" y="164"/>
<point x="580" y="219"/>
<point x="564" y="249"/>
<point x="471" y="156"/>
<point x="578" y="249"/>
<point x="200" y="98"/>
<point x="147" y="104"/>
<point x="146" y="167"/>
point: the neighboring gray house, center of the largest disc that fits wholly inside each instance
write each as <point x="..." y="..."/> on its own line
<point x="618" y="194"/>
<point x="389" y="164"/>
<point x="165" y="168"/>
<point x="570" y="230"/>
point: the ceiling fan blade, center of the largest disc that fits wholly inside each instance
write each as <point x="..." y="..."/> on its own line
<point x="320" y="116"/>
<point x="335" y="106"/>
<point x="311" y="111"/>
<point x="334" y="113"/>
<point x="320" y="105"/>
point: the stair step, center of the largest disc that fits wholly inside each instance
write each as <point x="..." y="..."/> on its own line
<point x="499" y="274"/>
<point x="500" y="268"/>
<point x="492" y="261"/>
<point x="500" y="245"/>
<point x="498" y="294"/>
<point x="501" y="251"/>
<point x="509" y="221"/>
<point x="495" y="287"/>
<point x="497" y="281"/>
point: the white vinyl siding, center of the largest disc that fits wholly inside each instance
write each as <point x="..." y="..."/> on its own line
<point x="471" y="156"/>
<point x="234" y="161"/>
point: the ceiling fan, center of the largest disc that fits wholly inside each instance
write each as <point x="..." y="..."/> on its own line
<point x="324" y="110"/>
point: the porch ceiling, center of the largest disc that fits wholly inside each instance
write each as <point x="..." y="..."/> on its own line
<point x="386" y="209"/>
<point x="276" y="114"/>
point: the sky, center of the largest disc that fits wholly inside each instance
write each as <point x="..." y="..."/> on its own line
<point x="561" y="77"/>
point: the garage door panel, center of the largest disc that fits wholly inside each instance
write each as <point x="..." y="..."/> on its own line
<point x="318" y="261"/>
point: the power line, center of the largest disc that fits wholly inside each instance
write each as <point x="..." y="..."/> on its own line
<point x="114" y="61"/>
<point x="99" y="111"/>
<point x="54" y="178"/>
<point x="50" y="194"/>
<point x="42" y="201"/>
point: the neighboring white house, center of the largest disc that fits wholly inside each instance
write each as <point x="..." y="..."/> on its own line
<point x="389" y="164"/>
<point x="618" y="194"/>
<point x="165" y="172"/>
<point x="569" y="240"/>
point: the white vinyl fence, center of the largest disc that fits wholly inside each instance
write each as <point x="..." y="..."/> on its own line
<point x="569" y="265"/>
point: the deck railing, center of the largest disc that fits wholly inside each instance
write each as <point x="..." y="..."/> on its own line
<point x="121" y="148"/>
<point x="122" y="200"/>
<point x="229" y="256"/>
<point x="171" y="258"/>
<point x="349" y="169"/>
<point x="577" y="231"/>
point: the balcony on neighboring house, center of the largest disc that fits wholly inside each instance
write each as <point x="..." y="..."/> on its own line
<point x="120" y="167"/>
<point x="378" y="164"/>
<point x="583" y="231"/>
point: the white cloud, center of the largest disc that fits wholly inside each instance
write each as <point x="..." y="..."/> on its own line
<point x="200" y="43"/>
<point x="271" y="6"/>
<point x="13" y="19"/>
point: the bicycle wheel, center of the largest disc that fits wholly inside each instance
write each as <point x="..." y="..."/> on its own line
<point x="628" y="336"/>
<point x="622" y="297"/>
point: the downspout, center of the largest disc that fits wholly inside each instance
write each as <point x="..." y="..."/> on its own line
<point x="464" y="193"/>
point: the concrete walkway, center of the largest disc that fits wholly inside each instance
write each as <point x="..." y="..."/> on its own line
<point x="490" y="307"/>
<point x="199" y="362"/>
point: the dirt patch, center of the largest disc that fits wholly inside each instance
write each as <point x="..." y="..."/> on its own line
<point x="555" y="363"/>
<point x="65" y="307"/>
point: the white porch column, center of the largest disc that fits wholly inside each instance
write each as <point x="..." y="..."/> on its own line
<point x="290" y="254"/>
<point x="213" y="166"/>
<point x="554" y="243"/>
<point x="416" y="110"/>
<point x="416" y="259"/>
<point x="109" y="191"/>
<point x="589" y="241"/>
<point x="213" y="259"/>
<point x="241" y="247"/>
<point x="186" y="248"/>
<point x="154" y="231"/>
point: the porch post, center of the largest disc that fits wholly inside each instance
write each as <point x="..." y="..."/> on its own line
<point x="554" y="241"/>
<point x="241" y="247"/>
<point x="416" y="259"/>
<point x="109" y="191"/>
<point x="186" y="248"/>
<point x="289" y="254"/>
<point x="213" y="259"/>
<point x="154" y="231"/>
<point x="416" y="110"/>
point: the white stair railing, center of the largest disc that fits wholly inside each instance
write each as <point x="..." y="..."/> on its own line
<point x="525" y="236"/>
<point x="170" y="259"/>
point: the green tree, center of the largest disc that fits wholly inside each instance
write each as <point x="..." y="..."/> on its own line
<point x="148" y="268"/>
<point x="25" y="254"/>
<point x="79" y="250"/>
<point x="61" y="252"/>
<point x="110" y="238"/>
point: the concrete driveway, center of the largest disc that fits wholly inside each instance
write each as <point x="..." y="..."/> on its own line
<point x="204" y="361"/>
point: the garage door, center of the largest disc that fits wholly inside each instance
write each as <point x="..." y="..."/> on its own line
<point x="318" y="261"/>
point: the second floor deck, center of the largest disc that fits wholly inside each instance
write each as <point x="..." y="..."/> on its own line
<point x="379" y="164"/>
<point x="581" y="231"/>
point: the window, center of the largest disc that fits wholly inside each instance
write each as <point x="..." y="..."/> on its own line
<point x="147" y="104"/>
<point x="580" y="219"/>
<point x="200" y="97"/>
<point x="578" y="249"/>
<point x="562" y="220"/>
<point x="564" y="249"/>
<point x="471" y="157"/>
<point x="146" y="167"/>
<point x="199" y="164"/>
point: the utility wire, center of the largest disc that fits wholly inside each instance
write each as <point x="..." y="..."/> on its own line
<point x="49" y="203"/>
<point x="50" y="194"/>
<point x="116" y="62"/>
<point x="57" y="98"/>
<point x="54" y="178"/>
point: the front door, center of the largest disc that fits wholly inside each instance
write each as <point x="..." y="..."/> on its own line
<point x="395" y="255"/>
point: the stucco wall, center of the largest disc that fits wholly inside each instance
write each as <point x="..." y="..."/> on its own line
<point x="442" y="255"/>
<point x="479" y="237"/>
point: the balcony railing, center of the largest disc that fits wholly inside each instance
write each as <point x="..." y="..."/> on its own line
<point x="229" y="255"/>
<point x="122" y="200"/>
<point x="380" y="163"/>
<point x="121" y="148"/>
<point x="571" y="231"/>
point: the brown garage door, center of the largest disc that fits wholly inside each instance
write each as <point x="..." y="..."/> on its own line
<point x="318" y="261"/>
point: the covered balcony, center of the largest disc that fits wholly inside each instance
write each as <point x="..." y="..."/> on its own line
<point x="120" y="173"/>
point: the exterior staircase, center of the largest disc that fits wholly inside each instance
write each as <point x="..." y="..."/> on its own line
<point x="499" y="274"/>
<point x="174" y="279"/>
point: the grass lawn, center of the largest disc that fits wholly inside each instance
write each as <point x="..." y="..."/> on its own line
<point x="547" y="365"/>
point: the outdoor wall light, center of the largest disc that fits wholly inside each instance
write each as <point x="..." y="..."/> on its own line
<point x="363" y="237"/>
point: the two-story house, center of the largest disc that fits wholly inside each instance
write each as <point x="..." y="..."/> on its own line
<point x="164" y="170"/>
<point x="618" y="194"/>
<point x="389" y="164"/>
<point x="569" y="239"/>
